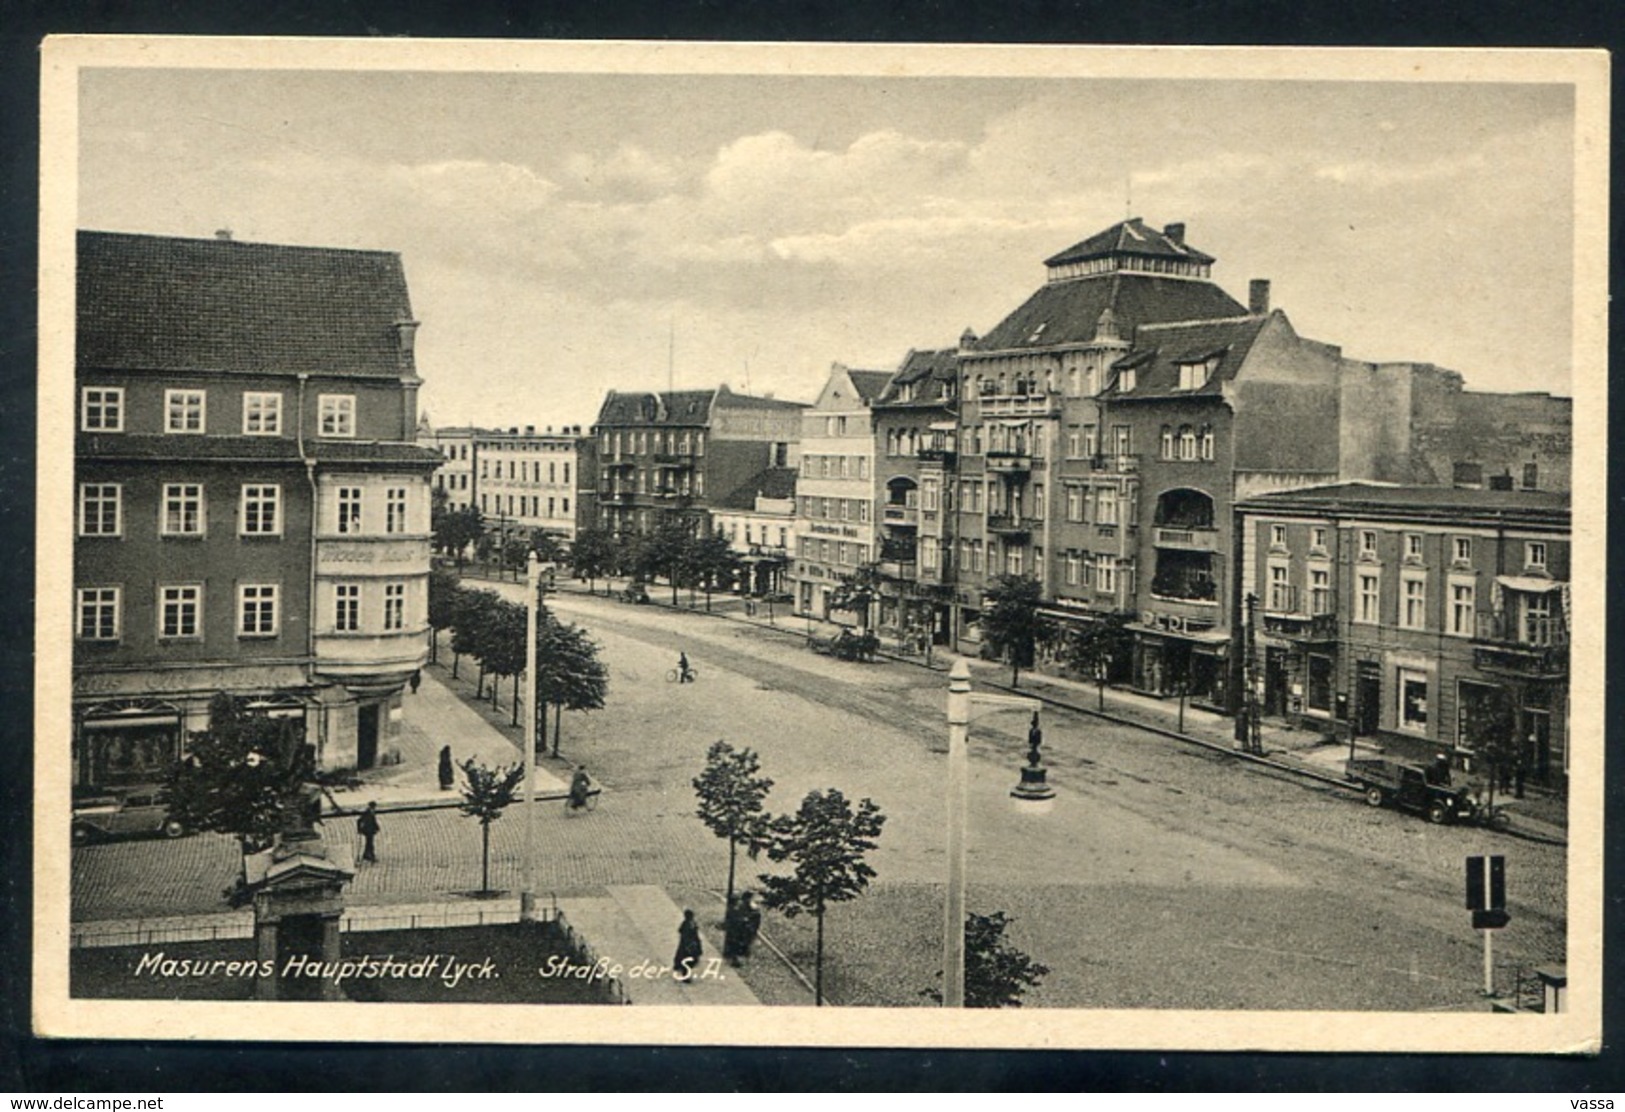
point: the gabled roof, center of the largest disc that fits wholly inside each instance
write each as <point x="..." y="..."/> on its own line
<point x="928" y="372"/>
<point x="1130" y="237"/>
<point x="771" y="482"/>
<point x="1069" y="312"/>
<point x="870" y="385"/>
<point x="671" y="407"/>
<point x="1159" y="351"/>
<point x="161" y="303"/>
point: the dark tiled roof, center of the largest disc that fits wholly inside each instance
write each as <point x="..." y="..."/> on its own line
<point x="1131" y="237"/>
<point x="1068" y="312"/>
<point x="1158" y="352"/>
<point x="870" y="385"/>
<point x="1376" y="498"/>
<point x="772" y="482"/>
<point x="672" y="407"/>
<point x="726" y="397"/>
<point x="166" y="304"/>
<point x="928" y="372"/>
<point x="248" y="449"/>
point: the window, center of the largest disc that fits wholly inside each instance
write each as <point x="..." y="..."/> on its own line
<point x="183" y="411"/>
<point x="395" y="510"/>
<point x="1012" y="560"/>
<point x="1106" y="507"/>
<point x="1413" y="701"/>
<point x="1038" y="502"/>
<point x="182" y="510"/>
<point x="261" y="510"/>
<point x="1317" y="539"/>
<point x="1368" y="544"/>
<point x="394" y="606"/>
<point x="1413" y="601"/>
<point x="1074" y="566"/>
<point x="262" y="414"/>
<point x="930" y="494"/>
<point x="1090" y="444"/>
<point x="1277" y="536"/>
<point x="256" y="610"/>
<point x="1368" y="599"/>
<point x="337" y="415"/>
<point x="1194" y="376"/>
<point x="1167" y="442"/>
<point x="1126" y="380"/>
<point x="1280" y="597"/>
<point x="1320" y="590"/>
<point x="101" y="509"/>
<point x="1187" y="442"/>
<point x="1534" y="554"/>
<point x="1123" y="439"/>
<point x="1074" y="503"/>
<point x="1462" y="550"/>
<point x="1531" y="476"/>
<point x="98" y="609"/>
<point x="1207" y="442"/>
<point x="180" y="611"/>
<point x="1462" y="606"/>
<point x="863" y="511"/>
<point x="1319" y="694"/>
<point x="1536" y="620"/>
<point x="347" y="607"/>
<point x="101" y="409"/>
<point x="1105" y="574"/>
<point x="350" y="509"/>
<point x="1413" y="547"/>
<point x="1074" y="442"/>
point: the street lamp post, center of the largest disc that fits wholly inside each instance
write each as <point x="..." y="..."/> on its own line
<point x="527" y="896"/>
<point x="960" y="701"/>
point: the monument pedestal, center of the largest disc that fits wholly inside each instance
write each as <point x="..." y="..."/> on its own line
<point x="298" y="889"/>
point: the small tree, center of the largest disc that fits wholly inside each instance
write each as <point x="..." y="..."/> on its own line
<point x="547" y="546"/>
<point x="715" y="563"/>
<point x="668" y="552"/>
<point x="1490" y="726"/>
<point x="569" y="674"/>
<point x="731" y="796"/>
<point x="857" y="592"/>
<point x="470" y="614"/>
<point x="1011" y="624"/>
<point x="487" y="792"/>
<point x="443" y="588"/>
<point x="825" y="840"/>
<point x="1095" y="648"/>
<point x="245" y="775"/>
<point x="502" y="648"/>
<point x="996" y="973"/>
<point x="455" y="530"/>
<point x="593" y="556"/>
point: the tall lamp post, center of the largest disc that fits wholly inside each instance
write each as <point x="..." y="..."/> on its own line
<point x="527" y="895"/>
<point x="1032" y="791"/>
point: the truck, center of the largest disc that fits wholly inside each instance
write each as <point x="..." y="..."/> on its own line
<point x="1411" y="787"/>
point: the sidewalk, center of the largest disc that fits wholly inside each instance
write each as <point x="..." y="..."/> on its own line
<point x="433" y="717"/>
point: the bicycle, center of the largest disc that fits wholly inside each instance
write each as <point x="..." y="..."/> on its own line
<point x="672" y="676"/>
<point x="589" y="803"/>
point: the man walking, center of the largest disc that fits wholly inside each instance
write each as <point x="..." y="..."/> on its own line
<point x="367" y="826"/>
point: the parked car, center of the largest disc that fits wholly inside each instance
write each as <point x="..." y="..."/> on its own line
<point x="1412" y="788"/>
<point x="122" y="813"/>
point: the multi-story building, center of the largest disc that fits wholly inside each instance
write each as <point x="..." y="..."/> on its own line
<point x="835" y="492"/>
<point x="252" y="513"/>
<point x="1389" y="611"/>
<point x="914" y="420"/>
<point x="759" y="522"/>
<point x="675" y="454"/>
<point x="456" y="474"/>
<point x="520" y="480"/>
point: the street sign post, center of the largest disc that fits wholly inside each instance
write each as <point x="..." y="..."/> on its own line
<point x="1487" y="900"/>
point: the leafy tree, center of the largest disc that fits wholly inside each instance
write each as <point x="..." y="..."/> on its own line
<point x="443" y="588"/>
<point x="470" y="616"/>
<point x="502" y="647"/>
<point x="245" y="775"/>
<point x="714" y="563"/>
<point x="487" y="792"/>
<point x="593" y="556"/>
<point x="515" y="554"/>
<point x="1011" y="624"/>
<point x="1490" y="726"/>
<point x="996" y="973"/>
<point x="1095" y="648"/>
<point x="731" y="794"/>
<point x="569" y="674"/>
<point x="857" y="592"/>
<point x="456" y="530"/>
<point x="825" y="840"/>
<point x="668" y="552"/>
<point x="548" y="547"/>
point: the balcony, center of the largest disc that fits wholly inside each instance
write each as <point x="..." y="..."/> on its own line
<point x="898" y="551"/>
<point x="673" y="460"/>
<point x="1011" y="525"/>
<point x="622" y="496"/>
<point x="618" y="462"/>
<point x="371" y="661"/>
<point x="906" y="516"/>
<point x="1009" y="463"/>
<point x="1115" y="465"/>
<point x="1283" y="618"/>
<point x="1188" y="539"/>
<point x="946" y="457"/>
<point x="1020" y="405"/>
<point x="1521" y="644"/>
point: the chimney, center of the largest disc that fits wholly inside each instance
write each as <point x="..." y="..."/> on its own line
<point x="967" y="340"/>
<point x="222" y="234"/>
<point x="1175" y="232"/>
<point x="1467" y="475"/>
<point x="1501" y="482"/>
<point x="1258" y="296"/>
<point x="530" y="430"/>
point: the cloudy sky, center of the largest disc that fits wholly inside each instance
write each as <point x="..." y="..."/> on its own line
<point x="568" y="233"/>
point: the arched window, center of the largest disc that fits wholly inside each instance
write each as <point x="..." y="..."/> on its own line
<point x="1187" y="442"/>
<point x="1207" y="441"/>
<point x="1167" y="442"/>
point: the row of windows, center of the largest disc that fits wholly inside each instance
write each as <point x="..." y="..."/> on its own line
<point x="186" y="411"/>
<point x="1099" y="571"/>
<point x="182" y="510"/>
<point x="1187" y="442"/>
<point x="1102" y="505"/>
<point x="529" y="505"/>
<point x="832" y="552"/>
<point x="686" y="483"/>
<point x="259" y="610"/>
<point x="835" y="467"/>
<point x="835" y="509"/>
<point x="751" y="538"/>
<point x="524" y="471"/>
<point x="1412" y="546"/>
<point x="1083" y="441"/>
<point x="641" y="441"/>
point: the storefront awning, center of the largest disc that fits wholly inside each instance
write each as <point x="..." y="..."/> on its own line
<point x="1529" y="584"/>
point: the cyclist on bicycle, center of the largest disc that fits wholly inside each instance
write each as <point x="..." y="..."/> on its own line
<point x="685" y="674"/>
<point x="580" y="786"/>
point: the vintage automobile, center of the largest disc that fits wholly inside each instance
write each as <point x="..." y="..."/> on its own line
<point x="122" y="813"/>
<point x="1412" y="787"/>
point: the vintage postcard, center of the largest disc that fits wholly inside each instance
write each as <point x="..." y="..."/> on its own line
<point x="821" y="544"/>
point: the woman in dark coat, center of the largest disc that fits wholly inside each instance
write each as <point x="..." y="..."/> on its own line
<point x="446" y="775"/>
<point x="688" y="948"/>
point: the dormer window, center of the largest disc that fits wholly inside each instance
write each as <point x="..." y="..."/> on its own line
<point x="1126" y="380"/>
<point x="336" y="414"/>
<point x="1194" y="376"/>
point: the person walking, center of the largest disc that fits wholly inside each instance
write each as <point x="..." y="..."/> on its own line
<point x="367" y="826"/>
<point x="748" y="925"/>
<point x="447" y="776"/>
<point x="417" y="679"/>
<point x="688" y="948"/>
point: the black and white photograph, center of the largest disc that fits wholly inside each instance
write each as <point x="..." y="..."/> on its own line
<point x="908" y="546"/>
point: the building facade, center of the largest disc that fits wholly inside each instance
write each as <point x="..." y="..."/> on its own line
<point x="252" y="513"/>
<point x="835" y="527"/>
<point x="675" y="454"/>
<point x="520" y="480"/>
<point x="759" y="523"/>
<point x="1398" y="612"/>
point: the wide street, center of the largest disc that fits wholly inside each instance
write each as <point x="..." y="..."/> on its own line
<point x="1165" y="876"/>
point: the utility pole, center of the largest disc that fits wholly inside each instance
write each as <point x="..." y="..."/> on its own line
<point x="527" y="896"/>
